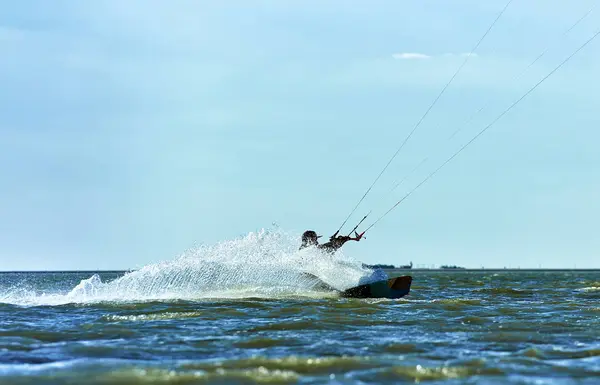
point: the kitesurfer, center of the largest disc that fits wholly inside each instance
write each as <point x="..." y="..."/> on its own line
<point x="310" y="238"/>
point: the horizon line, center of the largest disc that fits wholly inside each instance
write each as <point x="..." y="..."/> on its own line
<point x="395" y="268"/>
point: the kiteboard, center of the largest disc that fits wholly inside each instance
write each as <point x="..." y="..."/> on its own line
<point x="390" y="288"/>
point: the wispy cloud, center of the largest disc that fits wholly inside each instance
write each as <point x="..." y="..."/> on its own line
<point x="410" y="56"/>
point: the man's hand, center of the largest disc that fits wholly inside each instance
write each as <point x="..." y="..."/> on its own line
<point x="358" y="236"/>
<point x="346" y="238"/>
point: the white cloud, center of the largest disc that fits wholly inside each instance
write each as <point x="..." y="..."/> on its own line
<point x="410" y="56"/>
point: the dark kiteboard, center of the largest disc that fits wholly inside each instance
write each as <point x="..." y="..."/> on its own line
<point x="391" y="288"/>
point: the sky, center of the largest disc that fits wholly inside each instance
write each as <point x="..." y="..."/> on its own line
<point x="130" y="131"/>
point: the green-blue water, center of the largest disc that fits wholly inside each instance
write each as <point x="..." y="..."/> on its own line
<point x="454" y="328"/>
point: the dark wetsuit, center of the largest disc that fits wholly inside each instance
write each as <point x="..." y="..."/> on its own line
<point x="334" y="244"/>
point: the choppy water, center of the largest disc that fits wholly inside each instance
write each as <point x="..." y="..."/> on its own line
<point x="194" y="321"/>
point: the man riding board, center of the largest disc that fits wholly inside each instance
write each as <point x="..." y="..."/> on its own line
<point x="310" y="238"/>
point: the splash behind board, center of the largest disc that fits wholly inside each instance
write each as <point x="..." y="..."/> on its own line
<point x="391" y="288"/>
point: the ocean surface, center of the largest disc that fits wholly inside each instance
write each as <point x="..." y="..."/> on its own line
<point x="194" y="320"/>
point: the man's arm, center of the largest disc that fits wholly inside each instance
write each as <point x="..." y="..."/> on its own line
<point x="336" y="242"/>
<point x="344" y="239"/>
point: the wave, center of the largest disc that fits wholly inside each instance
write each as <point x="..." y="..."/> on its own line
<point x="591" y="288"/>
<point x="264" y="264"/>
<point x="507" y="291"/>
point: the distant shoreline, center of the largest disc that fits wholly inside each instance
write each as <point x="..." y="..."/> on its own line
<point x="494" y="270"/>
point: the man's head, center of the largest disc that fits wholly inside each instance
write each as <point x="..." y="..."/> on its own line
<point x="310" y="238"/>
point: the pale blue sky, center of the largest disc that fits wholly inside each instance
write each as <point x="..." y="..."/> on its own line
<point x="130" y="130"/>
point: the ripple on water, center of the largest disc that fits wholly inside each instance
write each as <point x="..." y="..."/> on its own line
<point x="281" y="371"/>
<point x="297" y="364"/>
<point x="159" y="316"/>
<point x="70" y="335"/>
<point x="506" y="291"/>
<point x="418" y="373"/>
<point x="289" y="325"/>
<point x="514" y="338"/>
<point x="266" y="342"/>
<point x="130" y="374"/>
<point x="401" y="348"/>
<point x="590" y="288"/>
<point x="556" y="354"/>
<point x="482" y="328"/>
<point x="474" y="320"/>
